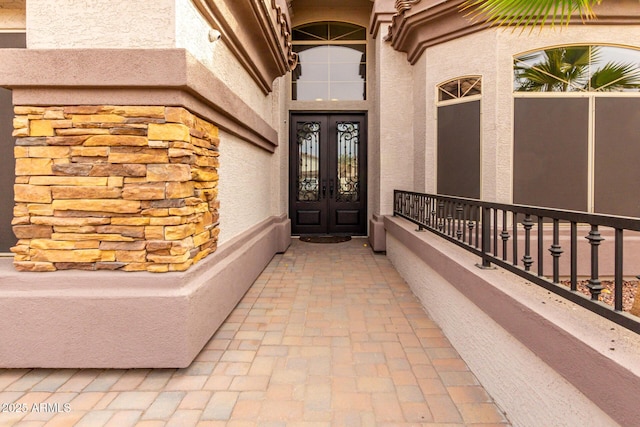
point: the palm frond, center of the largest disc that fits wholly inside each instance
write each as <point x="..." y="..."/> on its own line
<point x="615" y="76"/>
<point x="524" y="13"/>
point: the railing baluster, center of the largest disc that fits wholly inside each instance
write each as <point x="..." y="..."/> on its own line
<point x="420" y="212"/>
<point x="459" y="211"/>
<point x="477" y="227"/>
<point x="618" y="270"/>
<point x="515" y="238"/>
<point x="504" y="235"/>
<point x="574" y="256"/>
<point x="434" y="212"/>
<point x="556" y="251"/>
<point x="595" y="286"/>
<point x="528" y="224"/>
<point x="495" y="232"/>
<point x="540" y="247"/>
<point x="464" y="222"/>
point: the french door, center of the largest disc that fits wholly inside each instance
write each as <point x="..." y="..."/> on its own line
<point x="327" y="173"/>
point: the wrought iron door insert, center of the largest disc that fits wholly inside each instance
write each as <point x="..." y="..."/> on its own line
<point x="328" y="174"/>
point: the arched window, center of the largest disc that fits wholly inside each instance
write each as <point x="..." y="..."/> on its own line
<point x="332" y="62"/>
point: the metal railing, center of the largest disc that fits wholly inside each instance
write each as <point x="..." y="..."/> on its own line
<point x="494" y="232"/>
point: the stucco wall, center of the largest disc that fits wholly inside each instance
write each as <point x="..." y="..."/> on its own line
<point x="192" y="33"/>
<point x="244" y="187"/>
<point x="470" y="55"/>
<point x="89" y="24"/>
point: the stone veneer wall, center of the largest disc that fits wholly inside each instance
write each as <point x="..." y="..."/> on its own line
<point x="131" y="188"/>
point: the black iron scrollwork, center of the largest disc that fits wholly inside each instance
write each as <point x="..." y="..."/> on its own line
<point x="348" y="185"/>
<point x="308" y="137"/>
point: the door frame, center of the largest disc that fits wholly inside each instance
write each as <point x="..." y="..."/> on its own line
<point x="362" y="165"/>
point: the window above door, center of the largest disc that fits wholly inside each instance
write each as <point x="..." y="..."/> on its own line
<point x="332" y="62"/>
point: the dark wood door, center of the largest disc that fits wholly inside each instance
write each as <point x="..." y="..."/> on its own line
<point x="327" y="178"/>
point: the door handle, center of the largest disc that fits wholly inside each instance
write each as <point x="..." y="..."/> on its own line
<point x="330" y="188"/>
<point x="324" y="188"/>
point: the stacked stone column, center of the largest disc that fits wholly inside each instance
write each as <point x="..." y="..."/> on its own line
<point x="131" y="188"/>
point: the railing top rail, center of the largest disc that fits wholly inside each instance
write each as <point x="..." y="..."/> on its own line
<point x="614" y="221"/>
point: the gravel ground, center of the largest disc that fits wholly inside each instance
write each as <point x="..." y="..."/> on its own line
<point x="629" y="290"/>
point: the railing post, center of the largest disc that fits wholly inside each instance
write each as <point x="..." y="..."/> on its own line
<point x="540" y="247"/>
<point x="486" y="236"/>
<point x="619" y="270"/>
<point x="594" y="285"/>
<point x="574" y="256"/>
<point x="396" y="206"/>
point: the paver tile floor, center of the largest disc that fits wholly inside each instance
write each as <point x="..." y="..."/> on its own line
<point x="329" y="335"/>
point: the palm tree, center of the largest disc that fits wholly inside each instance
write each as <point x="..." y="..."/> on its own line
<point x="522" y="13"/>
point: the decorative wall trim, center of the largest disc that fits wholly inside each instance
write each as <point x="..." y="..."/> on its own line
<point x="265" y="51"/>
<point x="97" y="320"/>
<point x="419" y="24"/>
<point x="401" y="7"/>
<point x="170" y="77"/>
<point x="383" y="12"/>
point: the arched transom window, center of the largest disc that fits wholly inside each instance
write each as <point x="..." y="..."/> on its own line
<point x="332" y="62"/>
<point x="579" y="68"/>
<point x="460" y="88"/>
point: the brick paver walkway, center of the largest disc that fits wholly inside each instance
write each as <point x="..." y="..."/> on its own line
<point x="329" y="335"/>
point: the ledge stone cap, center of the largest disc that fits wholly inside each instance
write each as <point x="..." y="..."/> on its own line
<point x="165" y="76"/>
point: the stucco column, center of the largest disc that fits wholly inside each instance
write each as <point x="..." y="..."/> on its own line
<point x="395" y="120"/>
